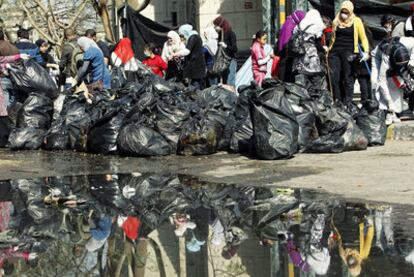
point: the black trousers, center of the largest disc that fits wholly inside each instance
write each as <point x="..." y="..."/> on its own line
<point x="366" y="87"/>
<point x="342" y="77"/>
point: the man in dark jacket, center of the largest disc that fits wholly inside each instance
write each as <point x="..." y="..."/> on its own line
<point x="26" y="46"/>
<point x="7" y="49"/>
<point x="91" y="33"/>
<point x="66" y="59"/>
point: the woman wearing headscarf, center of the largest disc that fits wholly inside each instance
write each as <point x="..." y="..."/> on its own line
<point x="228" y="40"/>
<point x="210" y="47"/>
<point x="308" y="68"/>
<point x="124" y="57"/>
<point x="93" y="63"/>
<point x="285" y="34"/>
<point x="195" y="65"/>
<point x="173" y="53"/>
<point x="348" y="33"/>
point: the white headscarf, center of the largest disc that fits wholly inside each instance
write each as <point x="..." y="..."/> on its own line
<point x="176" y="40"/>
<point x="210" y="37"/>
<point x="187" y="31"/>
<point x="313" y="22"/>
<point x="86" y="43"/>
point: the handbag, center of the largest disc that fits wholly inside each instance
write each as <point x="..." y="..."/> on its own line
<point x="221" y="61"/>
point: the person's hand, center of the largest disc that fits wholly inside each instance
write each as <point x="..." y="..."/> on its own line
<point x="223" y="44"/>
<point x="24" y="56"/>
<point x="32" y="256"/>
<point x="365" y="57"/>
<point x="54" y="66"/>
<point x="74" y="83"/>
<point x="272" y="55"/>
<point x="326" y="48"/>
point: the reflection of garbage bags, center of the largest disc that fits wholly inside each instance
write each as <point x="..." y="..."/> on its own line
<point x="371" y="120"/>
<point x="36" y="112"/>
<point x="29" y="76"/>
<point x="199" y="137"/>
<point x="103" y="136"/>
<point x="142" y="141"/>
<point x="274" y="124"/>
<point x="26" y="139"/>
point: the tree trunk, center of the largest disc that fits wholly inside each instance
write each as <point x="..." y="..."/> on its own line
<point x="106" y="21"/>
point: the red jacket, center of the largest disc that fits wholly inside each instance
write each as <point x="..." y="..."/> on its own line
<point x="157" y="65"/>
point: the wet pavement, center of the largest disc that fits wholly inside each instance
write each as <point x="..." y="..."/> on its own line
<point x="154" y="224"/>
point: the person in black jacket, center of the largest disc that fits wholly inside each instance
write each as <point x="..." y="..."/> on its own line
<point x="195" y="66"/>
<point x="47" y="59"/>
<point x="228" y="41"/>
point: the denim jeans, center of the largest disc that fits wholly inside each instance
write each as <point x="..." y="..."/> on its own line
<point x="230" y="76"/>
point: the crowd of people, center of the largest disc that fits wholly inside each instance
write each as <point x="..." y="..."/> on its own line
<point x="317" y="52"/>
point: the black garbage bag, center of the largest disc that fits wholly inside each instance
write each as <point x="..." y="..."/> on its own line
<point x="371" y="120"/>
<point x="199" y="137"/>
<point x="70" y="130"/>
<point x="354" y="138"/>
<point x="307" y="129"/>
<point x="6" y="126"/>
<point x="26" y="139"/>
<point x="142" y="141"/>
<point x="36" y="112"/>
<point x="29" y="76"/>
<point x="57" y="138"/>
<point x="241" y="139"/>
<point x="332" y="143"/>
<point x="103" y="137"/>
<point x="275" y="125"/>
<point x="170" y="121"/>
<point x="118" y="78"/>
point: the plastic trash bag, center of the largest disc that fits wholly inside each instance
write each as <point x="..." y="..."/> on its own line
<point x="57" y="137"/>
<point x="36" y="112"/>
<point x="28" y="76"/>
<point x="199" y="137"/>
<point x="26" y="139"/>
<point x="332" y="143"/>
<point x="103" y="137"/>
<point x="275" y="125"/>
<point x="6" y="126"/>
<point x="354" y="138"/>
<point x="371" y="120"/>
<point x="118" y="78"/>
<point x="307" y="128"/>
<point x="142" y="141"/>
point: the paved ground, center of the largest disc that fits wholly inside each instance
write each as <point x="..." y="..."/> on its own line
<point x="379" y="174"/>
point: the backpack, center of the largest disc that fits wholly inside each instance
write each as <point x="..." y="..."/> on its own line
<point x="76" y="59"/>
<point x="296" y="45"/>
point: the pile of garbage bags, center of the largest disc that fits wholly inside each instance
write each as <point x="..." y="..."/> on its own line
<point x="154" y="117"/>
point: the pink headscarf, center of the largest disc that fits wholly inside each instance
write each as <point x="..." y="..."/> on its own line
<point x="287" y="29"/>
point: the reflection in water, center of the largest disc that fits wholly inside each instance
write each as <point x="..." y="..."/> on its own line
<point x="168" y="225"/>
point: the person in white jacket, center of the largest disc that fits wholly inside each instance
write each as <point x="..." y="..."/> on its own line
<point x="173" y="53"/>
<point x="391" y="62"/>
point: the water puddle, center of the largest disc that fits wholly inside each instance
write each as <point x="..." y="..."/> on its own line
<point x="169" y="225"/>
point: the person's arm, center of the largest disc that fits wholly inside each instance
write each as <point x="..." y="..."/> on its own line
<point x="183" y="52"/>
<point x="190" y="46"/>
<point x="365" y="241"/>
<point x="232" y="43"/>
<point x="165" y="55"/>
<point x="362" y="35"/>
<point x="82" y="72"/>
<point x="9" y="59"/>
<point x="162" y="64"/>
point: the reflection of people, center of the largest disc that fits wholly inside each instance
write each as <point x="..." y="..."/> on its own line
<point x="353" y="258"/>
<point x="384" y="233"/>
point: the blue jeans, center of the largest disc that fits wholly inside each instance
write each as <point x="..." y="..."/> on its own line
<point x="230" y="75"/>
<point x="8" y="91"/>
